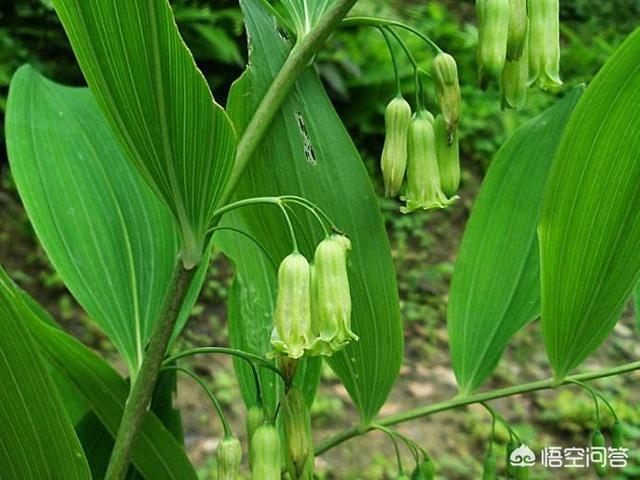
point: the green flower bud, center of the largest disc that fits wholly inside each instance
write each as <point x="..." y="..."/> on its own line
<point x="426" y="470"/>
<point x="598" y="441"/>
<point x="267" y="453"/>
<point x="423" y="175"/>
<point x="511" y="470"/>
<point x="445" y="74"/>
<point x="522" y="473"/>
<point x="490" y="471"/>
<point x="332" y="297"/>
<point x="514" y="82"/>
<point x="394" y="154"/>
<point x="447" y="150"/>
<point x="297" y="428"/>
<point x="255" y="418"/>
<point x="617" y="434"/>
<point x="518" y="25"/>
<point x="229" y="455"/>
<point x="292" y="317"/>
<point x="544" y="43"/>
<point x="493" y="33"/>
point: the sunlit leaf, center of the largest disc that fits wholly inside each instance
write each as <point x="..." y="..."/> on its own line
<point x="308" y="152"/>
<point x="590" y="229"/>
<point x="495" y="289"/>
<point x="109" y="237"/>
<point x="158" y="103"/>
<point x="36" y="437"/>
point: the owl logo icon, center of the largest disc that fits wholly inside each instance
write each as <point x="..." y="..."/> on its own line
<point x="522" y="456"/>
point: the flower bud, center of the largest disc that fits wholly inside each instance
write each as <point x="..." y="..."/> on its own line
<point x="514" y="82"/>
<point x="297" y="429"/>
<point x="267" y="453"/>
<point x="423" y="174"/>
<point x="493" y="33"/>
<point x="394" y="154"/>
<point x="255" y="418"/>
<point x="518" y="25"/>
<point x="292" y="317"/>
<point x="490" y="471"/>
<point x="598" y="441"/>
<point x="445" y="73"/>
<point x="332" y="297"/>
<point x="425" y="470"/>
<point x="617" y="434"/>
<point x="229" y="456"/>
<point x="544" y="43"/>
<point x="447" y="151"/>
<point x="511" y="469"/>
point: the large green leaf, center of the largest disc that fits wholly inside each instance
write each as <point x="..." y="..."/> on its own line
<point x="308" y="152"/>
<point x="158" y="103"/>
<point x="590" y="229"/>
<point x="495" y="289"/>
<point x="156" y="452"/>
<point x="36" y="436"/>
<point x="109" y="237"/>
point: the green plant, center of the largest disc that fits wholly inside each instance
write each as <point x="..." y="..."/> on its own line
<point x="131" y="183"/>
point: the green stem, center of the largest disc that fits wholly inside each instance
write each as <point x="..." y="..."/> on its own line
<point x="299" y="59"/>
<point x="392" y="437"/>
<point x="594" y="396"/>
<point x="139" y="398"/>
<point x="457" y="402"/>
<point x="416" y="68"/>
<point x="247" y="235"/>
<point x="247" y="202"/>
<point x="499" y="418"/>
<point x="383" y="22"/>
<point x="250" y="357"/>
<point x="394" y="61"/>
<point x="312" y="207"/>
<point x="214" y="401"/>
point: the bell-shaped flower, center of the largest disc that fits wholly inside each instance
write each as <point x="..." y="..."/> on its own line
<point x="394" y="154"/>
<point x="332" y="300"/>
<point x="493" y="33"/>
<point x="292" y="317"/>
<point x="544" y="43"/>
<point x="448" y="152"/>
<point x="445" y="74"/>
<point x="514" y="82"/>
<point x="424" y="189"/>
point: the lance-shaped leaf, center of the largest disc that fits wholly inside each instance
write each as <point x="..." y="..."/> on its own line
<point x="158" y="103"/>
<point x="496" y="284"/>
<point x="36" y="437"/>
<point x="108" y="235"/>
<point x="590" y="229"/>
<point x="308" y="152"/>
<point x="156" y="452"/>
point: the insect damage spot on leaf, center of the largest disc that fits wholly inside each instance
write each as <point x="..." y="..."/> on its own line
<point x="309" y="152"/>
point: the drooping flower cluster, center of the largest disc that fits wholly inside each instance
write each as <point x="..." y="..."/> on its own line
<point x="519" y="45"/>
<point x="313" y="304"/>
<point x="423" y="149"/>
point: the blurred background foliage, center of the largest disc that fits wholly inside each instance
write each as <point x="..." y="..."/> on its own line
<point x="357" y="72"/>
